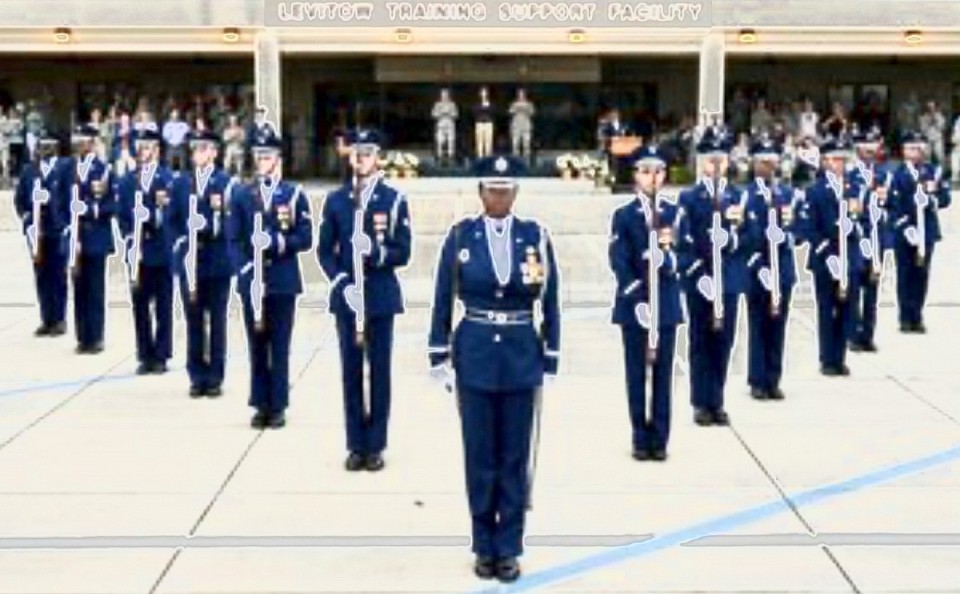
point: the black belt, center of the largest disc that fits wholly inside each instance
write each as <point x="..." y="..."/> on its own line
<point x="491" y="316"/>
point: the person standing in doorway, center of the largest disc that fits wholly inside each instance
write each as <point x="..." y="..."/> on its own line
<point x="483" y="125"/>
<point x="521" y="125"/>
<point x="445" y="115"/>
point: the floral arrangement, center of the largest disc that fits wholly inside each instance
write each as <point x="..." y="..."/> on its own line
<point x="398" y="164"/>
<point x="582" y="166"/>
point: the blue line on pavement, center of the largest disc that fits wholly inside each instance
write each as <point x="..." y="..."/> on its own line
<point x="723" y="524"/>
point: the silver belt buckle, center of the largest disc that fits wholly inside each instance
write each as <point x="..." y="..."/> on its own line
<point x="501" y="318"/>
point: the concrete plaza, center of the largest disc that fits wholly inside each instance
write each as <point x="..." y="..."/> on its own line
<point x="115" y="483"/>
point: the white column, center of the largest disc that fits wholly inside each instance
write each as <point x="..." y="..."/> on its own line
<point x="266" y="65"/>
<point x="712" y="67"/>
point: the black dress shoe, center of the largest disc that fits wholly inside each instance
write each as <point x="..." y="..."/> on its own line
<point x="703" y="417"/>
<point x="81" y="349"/>
<point x="759" y="394"/>
<point x="144" y="368"/>
<point x="919" y="328"/>
<point x="214" y="391"/>
<point x="641" y="454"/>
<point x="485" y="568"/>
<point x="870" y="347"/>
<point x="843" y="370"/>
<point x="58" y="329"/>
<point x="720" y="417"/>
<point x="196" y="391"/>
<point x="95" y="348"/>
<point x="508" y="570"/>
<point x="158" y="367"/>
<point x="659" y="455"/>
<point x="374" y="462"/>
<point x="829" y="370"/>
<point x="276" y="420"/>
<point x="776" y="394"/>
<point x="856" y="347"/>
<point x="43" y="330"/>
<point x="355" y="461"/>
<point x="259" y="420"/>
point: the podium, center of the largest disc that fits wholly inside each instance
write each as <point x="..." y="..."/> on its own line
<point x="621" y="147"/>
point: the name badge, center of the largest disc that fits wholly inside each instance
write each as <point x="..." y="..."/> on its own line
<point x="99" y="187"/>
<point x="162" y="198"/>
<point x="379" y="221"/>
<point x="216" y="201"/>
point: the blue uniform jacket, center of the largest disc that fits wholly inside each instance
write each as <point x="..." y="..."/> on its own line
<point x="695" y="248"/>
<point x="286" y="219"/>
<point x="95" y="184"/>
<point x="629" y="260"/>
<point x="824" y="228"/>
<point x="788" y="207"/>
<point x="903" y="206"/>
<point x="49" y="174"/>
<point x="386" y="221"/>
<point x="879" y="176"/>
<point x="491" y="356"/>
<point x="213" y="204"/>
<point x="155" y="239"/>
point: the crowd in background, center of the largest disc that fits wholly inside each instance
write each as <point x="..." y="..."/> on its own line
<point x="232" y="119"/>
<point x="795" y="124"/>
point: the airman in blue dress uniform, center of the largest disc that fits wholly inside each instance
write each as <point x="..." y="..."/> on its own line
<point x="836" y="258"/>
<point x="283" y="211"/>
<point x="712" y="278"/>
<point x="213" y="189"/>
<point x="919" y="187"/>
<point x="772" y="274"/>
<point x="630" y="259"/>
<point x="41" y="181"/>
<point x="499" y="266"/>
<point x="88" y="179"/>
<point x="148" y="263"/>
<point x="878" y="179"/>
<point x="385" y="217"/>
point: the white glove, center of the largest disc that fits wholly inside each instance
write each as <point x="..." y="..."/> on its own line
<point x="444" y="376"/>
<point x="549" y="380"/>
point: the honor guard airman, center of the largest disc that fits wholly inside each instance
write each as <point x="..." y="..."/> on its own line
<point x="836" y="226"/>
<point x="877" y="179"/>
<point x="199" y="220"/>
<point x="269" y="225"/>
<point x="918" y="192"/>
<point x="89" y="204"/>
<point x="364" y="237"/>
<point x="772" y="270"/>
<point x="647" y="302"/>
<point x="38" y="202"/>
<point x="499" y="266"/>
<point x="144" y="202"/>
<point x="713" y="243"/>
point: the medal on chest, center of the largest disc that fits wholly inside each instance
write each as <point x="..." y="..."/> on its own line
<point x="532" y="268"/>
<point x="380" y="225"/>
<point x="284" y="216"/>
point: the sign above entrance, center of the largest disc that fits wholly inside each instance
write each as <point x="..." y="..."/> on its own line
<point x="487" y="13"/>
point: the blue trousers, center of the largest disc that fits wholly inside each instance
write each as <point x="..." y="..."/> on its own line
<point x="912" y="282"/>
<point x="865" y="323"/>
<point x="155" y="287"/>
<point x="206" y="330"/>
<point x="89" y="299"/>
<point x="366" y="429"/>
<point x="649" y="431"/>
<point x="710" y="349"/>
<point x="50" y="274"/>
<point x="767" y="337"/>
<point x="835" y="318"/>
<point x="496" y="430"/>
<point x="269" y="349"/>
